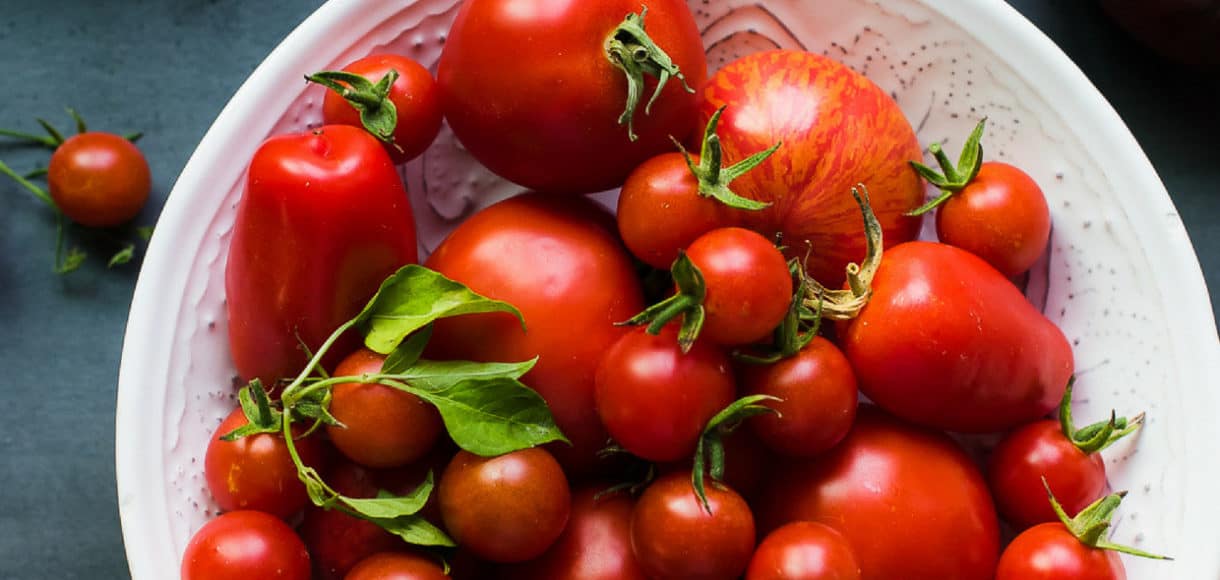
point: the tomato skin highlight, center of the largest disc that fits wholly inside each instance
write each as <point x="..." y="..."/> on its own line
<point x="414" y="95"/>
<point x="256" y="472"/>
<point x="837" y="129"/>
<point x="1035" y="451"/>
<point x="1001" y="216"/>
<point x="660" y="210"/>
<point x="528" y="89"/>
<point x="397" y="566"/>
<point x="674" y="537"/>
<point x="323" y="220"/>
<point x="1050" y="552"/>
<point x="749" y="287"/>
<point x="803" y="551"/>
<point x="242" y="545"/>
<point x="98" y="179"/>
<point x="948" y="342"/>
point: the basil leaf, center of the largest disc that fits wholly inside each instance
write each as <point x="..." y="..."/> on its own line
<point x="407" y="353"/>
<point x="414" y="529"/>
<point x="387" y="506"/>
<point x="438" y="375"/>
<point x="413" y="297"/>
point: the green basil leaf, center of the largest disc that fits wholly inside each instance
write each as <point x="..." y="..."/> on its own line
<point x="414" y="529"/>
<point x="438" y="375"/>
<point x="407" y="352"/>
<point x="387" y="506"/>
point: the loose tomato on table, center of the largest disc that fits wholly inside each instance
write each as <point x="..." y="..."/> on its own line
<point x="243" y="545"/>
<point x="98" y="179"/>
<point x="803" y="551"/>
<point x="256" y="472"/>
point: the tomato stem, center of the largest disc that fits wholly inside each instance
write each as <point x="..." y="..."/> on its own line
<point x="846" y="304"/>
<point x="712" y="177"/>
<point x="953" y="178"/>
<point x="631" y="50"/>
<point x="1091" y="525"/>
<point x="1098" y="436"/>
<point x="289" y="395"/>
<point x="378" y="114"/>
<point x="686" y="302"/>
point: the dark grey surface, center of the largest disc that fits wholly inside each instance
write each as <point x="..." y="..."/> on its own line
<point x="167" y="67"/>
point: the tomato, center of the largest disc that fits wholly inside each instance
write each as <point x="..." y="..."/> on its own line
<point x="256" y="472"/>
<point x="673" y="536"/>
<point x="661" y="212"/>
<point x="530" y="89"/>
<point x="243" y="545"/>
<point x="837" y="129"/>
<point x="324" y="219"/>
<point x="558" y="261"/>
<point x="413" y="94"/>
<point x="1039" y="450"/>
<point x="948" y="342"/>
<point x="817" y="392"/>
<point x="382" y="426"/>
<point x="1049" y="551"/>
<point x="509" y="508"/>
<point x="596" y="545"/>
<point x="909" y="501"/>
<point x="98" y="179"/>
<point x="654" y="400"/>
<point x="1000" y="216"/>
<point x="803" y="551"/>
<point x="748" y="285"/>
<point x="397" y="566"/>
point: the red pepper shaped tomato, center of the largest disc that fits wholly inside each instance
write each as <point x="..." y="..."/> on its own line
<point x="529" y="89"/>
<point x="948" y="342"/>
<point x="837" y="129"/>
<point x="324" y="219"/>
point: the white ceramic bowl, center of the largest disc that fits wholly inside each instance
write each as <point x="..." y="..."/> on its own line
<point x="1123" y="281"/>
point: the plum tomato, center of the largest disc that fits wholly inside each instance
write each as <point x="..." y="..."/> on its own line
<point x="397" y="566"/>
<point x="748" y="285"/>
<point x="803" y="551"/>
<point x="382" y="426"/>
<point x="98" y="179"/>
<point x="243" y="545"/>
<point x="509" y="508"/>
<point x="674" y="536"/>
<point x="256" y="472"/>
<point x="1049" y="551"/>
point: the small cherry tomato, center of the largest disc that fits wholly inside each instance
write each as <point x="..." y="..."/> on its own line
<point x="245" y="545"/>
<point x="1050" y="552"/>
<point x="397" y="566"/>
<point x="1001" y="217"/>
<point x="413" y="94"/>
<point x="98" y="179"/>
<point x="803" y="551"/>
<point x="660" y="211"/>
<point x="256" y="472"/>
<point x="749" y="287"/>
<point x="674" y="536"/>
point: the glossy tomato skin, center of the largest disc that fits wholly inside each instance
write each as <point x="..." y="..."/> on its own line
<point x="909" y="501"/>
<point x="803" y="551"/>
<point x="242" y="545"/>
<point x="382" y="426"/>
<point x="415" y="98"/>
<point x="98" y="179"/>
<point x="838" y="129"/>
<point x="660" y="210"/>
<point x="1001" y="216"/>
<point x="509" y="508"/>
<point x="558" y="261"/>
<point x="528" y="89"/>
<point x="1050" y="552"/>
<point x="397" y="566"/>
<point x="817" y="388"/>
<point x="256" y="472"/>
<point x="1035" y="451"/>
<point x="749" y="287"/>
<point x="323" y="220"/>
<point x="674" y="537"/>
<point x="654" y="399"/>
<point x="948" y="342"/>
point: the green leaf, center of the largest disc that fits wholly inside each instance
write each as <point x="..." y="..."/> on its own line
<point x="438" y="375"/>
<point x="416" y="530"/>
<point x="122" y="256"/>
<point x="387" y="506"/>
<point x="407" y="352"/>
<point x="413" y="297"/>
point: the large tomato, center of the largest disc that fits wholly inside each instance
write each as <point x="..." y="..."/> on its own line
<point x="557" y="259"/>
<point x="530" y="89"/>
<point x="838" y="129"/>
<point x="909" y="501"/>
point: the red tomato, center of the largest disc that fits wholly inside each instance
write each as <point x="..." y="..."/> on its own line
<point x="660" y="210"/>
<point x="98" y="179"/>
<point x="803" y="551"/>
<point x="323" y="221"/>
<point x="909" y="501"/>
<point x="949" y="342"/>
<point x="1000" y="216"/>
<point x="837" y="129"/>
<point x="818" y="396"/>
<point x="529" y="89"/>
<point x="397" y="566"/>
<point x="383" y="426"/>
<point x="596" y="545"/>
<point x="1039" y="450"/>
<point x="749" y="287"/>
<point x="509" y="508"/>
<point x="675" y="537"/>
<point x="244" y="545"/>
<point x="654" y="400"/>
<point x="414" y="96"/>
<point x="559" y="262"/>
<point x="256" y="472"/>
<point x="1050" y="552"/>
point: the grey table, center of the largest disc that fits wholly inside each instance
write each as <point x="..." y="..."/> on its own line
<point x="167" y="68"/>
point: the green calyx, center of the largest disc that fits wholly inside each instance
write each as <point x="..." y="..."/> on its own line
<point x="377" y="112"/>
<point x="713" y="178"/>
<point x="1091" y="525"/>
<point x="632" y="51"/>
<point x="54" y="138"/>
<point x="687" y="303"/>
<point x="709" y="451"/>
<point x="845" y="304"/>
<point x="954" y="177"/>
<point x="799" y="327"/>
<point x="1097" y="436"/>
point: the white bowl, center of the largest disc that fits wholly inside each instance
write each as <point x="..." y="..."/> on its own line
<point x="1123" y="282"/>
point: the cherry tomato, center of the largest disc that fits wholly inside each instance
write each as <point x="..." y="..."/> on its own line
<point x="660" y="210"/>
<point x="748" y="285"/>
<point x="382" y="426"/>
<point x="558" y="261"/>
<point x="1039" y="450"/>
<point x="803" y="551"/>
<point x="256" y="472"/>
<point x="817" y="392"/>
<point x="673" y="536"/>
<point x="509" y="508"/>
<point x="909" y="501"/>
<point x="397" y="566"/>
<point x="1050" y="552"/>
<point x="1000" y="216"/>
<point x="530" y="90"/>
<point x="98" y="179"/>
<point x="654" y="400"/>
<point x="243" y="545"/>
<point x="414" y="96"/>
